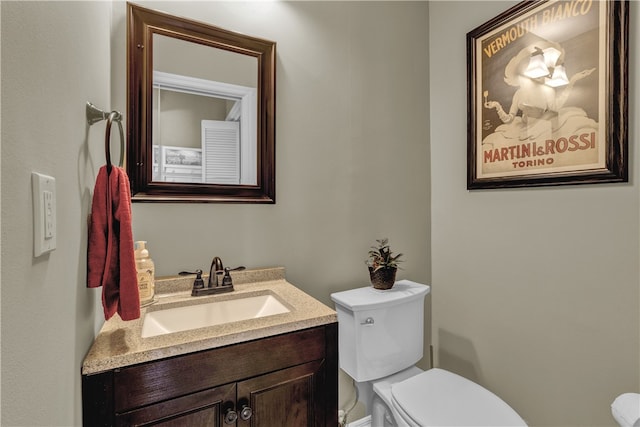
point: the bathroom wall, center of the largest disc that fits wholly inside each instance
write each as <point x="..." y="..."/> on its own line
<point x="352" y="153"/>
<point x="55" y="58"/>
<point x="351" y="146"/>
<point x="557" y="342"/>
<point x="535" y="291"/>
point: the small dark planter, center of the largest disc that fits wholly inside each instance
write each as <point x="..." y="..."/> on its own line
<point x="383" y="278"/>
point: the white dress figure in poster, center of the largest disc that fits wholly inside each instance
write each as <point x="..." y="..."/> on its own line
<point x="537" y="111"/>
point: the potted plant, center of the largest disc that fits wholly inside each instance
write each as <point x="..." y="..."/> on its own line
<point x="383" y="265"/>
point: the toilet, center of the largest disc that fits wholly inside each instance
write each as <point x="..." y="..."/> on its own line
<point x="380" y="338"/>
<point x="626" y="410"/>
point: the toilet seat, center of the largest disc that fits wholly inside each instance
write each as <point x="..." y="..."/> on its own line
<point x="442" y="398"/>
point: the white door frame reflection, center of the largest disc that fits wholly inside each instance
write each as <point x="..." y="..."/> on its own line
<point x="242" y="109"/>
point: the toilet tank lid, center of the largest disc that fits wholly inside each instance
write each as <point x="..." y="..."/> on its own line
<point x="369" y="298"/>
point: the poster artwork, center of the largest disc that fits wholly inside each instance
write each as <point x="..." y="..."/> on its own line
<point x="534" y="125"/>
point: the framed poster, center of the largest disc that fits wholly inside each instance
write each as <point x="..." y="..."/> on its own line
<point x="547" y="95"/>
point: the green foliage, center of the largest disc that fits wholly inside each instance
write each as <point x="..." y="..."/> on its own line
<point x="381" y="256"/>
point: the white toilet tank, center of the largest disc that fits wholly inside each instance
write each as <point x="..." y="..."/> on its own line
<point x="380" y="332"/>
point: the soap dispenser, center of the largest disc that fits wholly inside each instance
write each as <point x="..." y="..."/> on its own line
<point x="146" y="273"/>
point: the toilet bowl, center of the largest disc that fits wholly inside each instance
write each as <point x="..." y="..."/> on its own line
<point x="440" y="398"/>
<point x="380" y="338"/>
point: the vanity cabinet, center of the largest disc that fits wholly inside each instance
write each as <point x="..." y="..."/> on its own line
<point x="283" y="380"/>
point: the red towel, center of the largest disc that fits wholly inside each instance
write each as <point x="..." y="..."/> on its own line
<point x="110" y="259"/>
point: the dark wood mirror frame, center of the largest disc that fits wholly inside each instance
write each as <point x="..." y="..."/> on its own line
<point x="142" y="25"/>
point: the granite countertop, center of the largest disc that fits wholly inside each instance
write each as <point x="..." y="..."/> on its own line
<point x="119" y="343"/>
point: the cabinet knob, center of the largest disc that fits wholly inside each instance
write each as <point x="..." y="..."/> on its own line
<point x="230" y="416"/>
<point x="246" y="412"/>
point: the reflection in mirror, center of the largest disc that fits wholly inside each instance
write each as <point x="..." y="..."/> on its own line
<point x="213" y="116"/>
<point x="201" y="111"/>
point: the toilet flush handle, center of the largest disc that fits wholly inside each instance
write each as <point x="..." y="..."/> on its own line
<point x="368" y="321"/>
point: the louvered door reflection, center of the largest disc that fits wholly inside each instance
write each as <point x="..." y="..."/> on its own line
<point x="220" y="152"/>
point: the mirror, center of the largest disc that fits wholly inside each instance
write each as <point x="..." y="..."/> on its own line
<point x="201" y="111"/>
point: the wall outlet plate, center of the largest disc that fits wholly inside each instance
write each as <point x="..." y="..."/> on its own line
<point x="44" y="213"/>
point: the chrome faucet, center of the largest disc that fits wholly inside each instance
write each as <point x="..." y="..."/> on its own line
<point x="219" y="279"/>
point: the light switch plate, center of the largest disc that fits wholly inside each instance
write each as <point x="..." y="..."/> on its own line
<point x="44" y="213"/>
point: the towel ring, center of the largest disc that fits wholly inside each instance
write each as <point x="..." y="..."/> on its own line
<point x="114" y="115"/>
<point x="95" y="115"/>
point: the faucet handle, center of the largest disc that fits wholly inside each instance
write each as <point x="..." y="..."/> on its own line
<point x="226" y="281"/>
<point x="198" y="283"/>
<point x="186" y="273"/>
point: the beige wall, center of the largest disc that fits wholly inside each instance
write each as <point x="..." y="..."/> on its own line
<point x="352" y="153"/>
<point x="535" y="291"/>
<point x="55" y="58"/>
<point x="353" y="122"/>
<point x="203" y="62"/>
<point x="181" y="115"/>
<point x="352" y="149"/>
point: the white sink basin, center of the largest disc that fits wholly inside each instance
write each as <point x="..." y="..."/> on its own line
<point x="195" y="316"/>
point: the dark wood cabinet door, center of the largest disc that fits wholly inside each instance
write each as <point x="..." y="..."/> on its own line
<point x="284" y="380"/>
<point x="291" y="397"/>
<point x="205" y="408"/>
